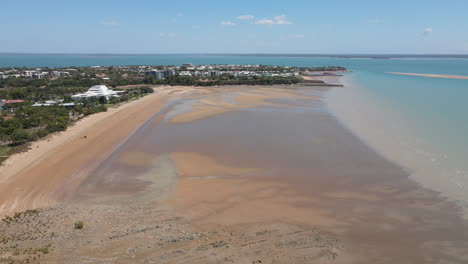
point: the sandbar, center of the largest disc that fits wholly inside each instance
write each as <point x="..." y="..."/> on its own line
<point x="432" y="75"/>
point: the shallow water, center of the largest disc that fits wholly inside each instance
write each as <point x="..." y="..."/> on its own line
<point x="292" y="163"/>
<point x="412" y="125"/>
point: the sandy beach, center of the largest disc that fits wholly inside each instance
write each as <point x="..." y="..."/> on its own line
<point x="432" y="75"/>
<point x="54" y="166"/>
<point x="230" y="174"/>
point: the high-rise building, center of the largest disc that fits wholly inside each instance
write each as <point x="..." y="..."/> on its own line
<point x="169" y="72"/>
<point x="158" y="75"/>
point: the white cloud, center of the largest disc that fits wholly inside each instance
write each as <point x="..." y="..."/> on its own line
<point x="167" y="35"/>
<point x="296" y="36"/>
<point x="376" y="20"/>
<point x="227" y="23"/>
<point x="277" y="20"/>
<point x="427" y="31"/>
<point x="282" y="20"/>
<point x="111" y="23"/>
<point x="246" y="17"/>
<point x="265" y="22"/>
<point x="280" y="17"/>
<point x="180" y="14"/>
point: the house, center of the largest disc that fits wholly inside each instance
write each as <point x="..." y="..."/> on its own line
<point x="97" y="91"/>
<point x="10" y="105"/>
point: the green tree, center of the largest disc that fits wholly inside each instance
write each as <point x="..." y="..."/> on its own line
<point x="20" y="136"/>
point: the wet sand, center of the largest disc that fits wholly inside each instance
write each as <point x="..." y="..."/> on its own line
<point x="56" y="165"/>
<point x="432" y="75"/>
<point x="285" y="159"/>
<point x="268" y="176"/>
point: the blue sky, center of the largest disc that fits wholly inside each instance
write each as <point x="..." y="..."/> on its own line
<point x="294" y="26"/>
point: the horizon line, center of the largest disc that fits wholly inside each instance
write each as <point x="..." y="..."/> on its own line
<point x="231" y="53"/>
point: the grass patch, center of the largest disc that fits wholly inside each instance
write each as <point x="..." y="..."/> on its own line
<point x="5" y="150"/>
<point x="9" y="150"/>
<point x="79" y="225"/>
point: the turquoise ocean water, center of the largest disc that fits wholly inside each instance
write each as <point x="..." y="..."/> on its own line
<point x="420" y="123"/>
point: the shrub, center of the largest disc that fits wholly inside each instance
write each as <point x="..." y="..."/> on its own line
<point x="20" y="136"/>
<point x="57" y="126"/>
<point x="42" y="133"/>
<point x="102" y="100"/>
<point x="79" y="225"/>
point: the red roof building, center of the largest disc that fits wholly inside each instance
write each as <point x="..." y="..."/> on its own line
<point x="13" y="101"/>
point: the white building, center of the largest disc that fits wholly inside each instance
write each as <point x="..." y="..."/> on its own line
<point x="97" y="91"/>
<point x="55" y="73"/>
<point x="51" y="103"/>
<point x="185" y="73"/>
<point x="28" y="74"/>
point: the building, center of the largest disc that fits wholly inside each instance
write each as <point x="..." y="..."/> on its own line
<point x="54" y="73"/>
<point x="97" y="91"/>
<point x="214" y="73"/>
<point x="169" y="72"/>
<point x="198" y="74"/>
<point x="51" y="103"/>
<point x="185" y="73"/>
<point x="13" y="101"/>
<point x="39" y="75"/>
<point x="158" y="75"/>
<point x="28" y="74"/>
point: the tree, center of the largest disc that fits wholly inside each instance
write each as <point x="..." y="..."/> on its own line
<point x="102" y="100"/>
<point x="20" y="136"/>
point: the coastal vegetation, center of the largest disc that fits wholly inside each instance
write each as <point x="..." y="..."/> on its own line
<point x="21" y="122"/>
<point x="221" y="80"/>
<point x="114" y="76"/>
<point x="24" y="246"/>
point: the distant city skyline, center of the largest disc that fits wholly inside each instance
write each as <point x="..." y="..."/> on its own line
<point x="254" y="27"/>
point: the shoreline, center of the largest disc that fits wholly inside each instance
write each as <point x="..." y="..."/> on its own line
<point x="68" y="155"/>
<point x="443" y="76"/>
<point x="425" y="164"/>
<point x="23" y="187"/>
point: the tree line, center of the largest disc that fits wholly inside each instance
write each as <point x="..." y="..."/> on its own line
<point x="221" y="80"/>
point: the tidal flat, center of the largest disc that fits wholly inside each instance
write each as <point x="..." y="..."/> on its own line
<point x="246" y="175"/>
